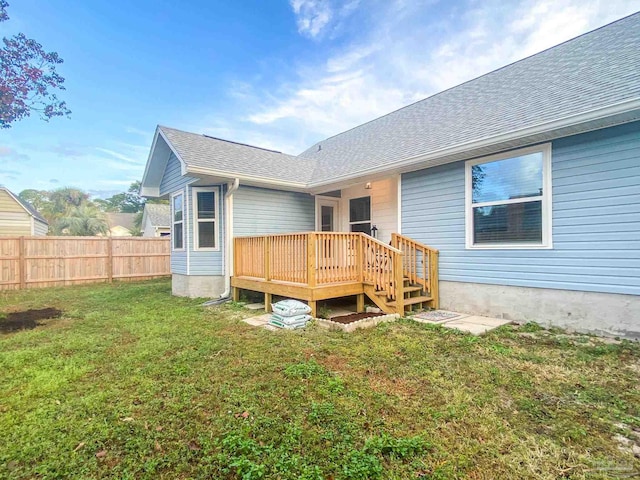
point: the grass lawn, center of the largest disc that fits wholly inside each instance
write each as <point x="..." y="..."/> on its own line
<point x="133" y="383"/>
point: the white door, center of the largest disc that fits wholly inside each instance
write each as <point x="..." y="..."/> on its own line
<point x="326" y="214"/>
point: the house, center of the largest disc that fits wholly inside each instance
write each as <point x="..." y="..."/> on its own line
<point x="120" y="224"/>
<point x="515" y="195"/>
<point x="18" y="217"/>
<point x="156" y="220"/>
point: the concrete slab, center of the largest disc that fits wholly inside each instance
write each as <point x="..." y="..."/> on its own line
<point x="255" y="306"/>
<point x="472" y="328"/>
<point x="437" y="316"/>
<point x="259" y="321"/>
<point x="489" y="321"/>
<point x="474" y="324"/>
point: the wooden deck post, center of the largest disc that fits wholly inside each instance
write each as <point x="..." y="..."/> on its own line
<point x="398" y="279"/>
<point x="22" y="267"/>
<point x="360" y="259"/>
<point x="236" y="294"/>
<point x="267" y="258"/>
<point x="311" y="260"/>
<point x="314" y="308"/>
<point x="433" y="281"/>
<point x="268" y="300"/>
<point x="360" y="303"/>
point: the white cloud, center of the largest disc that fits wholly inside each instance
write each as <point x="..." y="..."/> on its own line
<point x="312" y="16"/>
<point x="409" y="51"/>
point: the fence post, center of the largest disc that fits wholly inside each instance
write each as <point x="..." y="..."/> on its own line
<point x="110" y="260"/>
<point x="22" y="267"/>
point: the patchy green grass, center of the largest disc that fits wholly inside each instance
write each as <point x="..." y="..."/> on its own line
<point x="133" y="383"/>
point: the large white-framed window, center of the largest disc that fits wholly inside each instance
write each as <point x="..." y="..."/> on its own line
<point x="205" y="218"/>
<point x="508" y="200"/>
<point x="177" y="221"/>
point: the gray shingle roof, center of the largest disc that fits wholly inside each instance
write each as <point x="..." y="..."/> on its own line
<point x="159" y="214"/>
<point x="226" y="156"/>
<point x="594" y="70"/>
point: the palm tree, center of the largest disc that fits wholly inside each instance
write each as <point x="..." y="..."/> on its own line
<point x="59" y="203"/>
<point x="83" y="220"/>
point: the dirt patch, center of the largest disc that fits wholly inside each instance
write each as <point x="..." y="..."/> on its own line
<point x="27" y="320"/>
<point x="354" y="317"/>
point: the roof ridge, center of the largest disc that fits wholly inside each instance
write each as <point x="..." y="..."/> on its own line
<point x="472" y="80"/>
<point x="243" y="144"/>
<point x="225" y="140"/>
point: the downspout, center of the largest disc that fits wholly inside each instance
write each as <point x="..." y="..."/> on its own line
<point x="228" y="234"/>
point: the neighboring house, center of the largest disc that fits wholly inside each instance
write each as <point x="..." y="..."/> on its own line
<point x="18" y="217"/>
<point x="156" y="220"/>
<point x="526" y="179"/>
<point x="120" y="224"/>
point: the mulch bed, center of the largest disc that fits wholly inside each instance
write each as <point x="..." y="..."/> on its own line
<point x="27" y="320"/>
<point x="354" y="317"/>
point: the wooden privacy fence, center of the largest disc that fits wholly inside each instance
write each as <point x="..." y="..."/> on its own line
<point x="35" y="262"/>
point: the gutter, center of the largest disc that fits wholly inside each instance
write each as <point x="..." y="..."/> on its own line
<point x="247" y="179"/>
<point x="228" y="234"/>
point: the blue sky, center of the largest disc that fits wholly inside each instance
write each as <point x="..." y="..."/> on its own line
<point x="276" y="74"/>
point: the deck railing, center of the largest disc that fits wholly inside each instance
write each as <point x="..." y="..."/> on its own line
<point x="419" y="262"/>
<point x="319" y="258"/>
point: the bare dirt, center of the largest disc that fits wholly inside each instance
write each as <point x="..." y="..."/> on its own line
<point x="354" y="317"/>
<point x="26" y="320"/>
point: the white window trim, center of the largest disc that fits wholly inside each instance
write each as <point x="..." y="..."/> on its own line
<point x="173" y="222"/>
<point x="546" y="198"/>
<point x="334" y="202"/>
<point x="360" y="222"/>
<point x="216" y="220"/>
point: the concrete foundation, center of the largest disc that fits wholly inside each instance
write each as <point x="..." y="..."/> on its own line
<point x="587" y="312"/>
<point x="197" y="286"/>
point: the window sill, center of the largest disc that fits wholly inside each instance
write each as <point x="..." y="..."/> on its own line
<point x="509" y="247"/>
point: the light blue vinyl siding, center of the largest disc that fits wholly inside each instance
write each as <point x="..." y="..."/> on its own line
<point x="259" y="211"/>
<point x="596" y="219"/>
<point x="207" y="262"/>
<point x="172" y="182"/>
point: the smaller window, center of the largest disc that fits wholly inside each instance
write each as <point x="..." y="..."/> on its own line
<point x="178" y="222"/>
<point x="205" y="221"/>
<point x="360" y="215"/>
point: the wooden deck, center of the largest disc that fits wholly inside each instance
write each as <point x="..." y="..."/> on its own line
<point x="319" y="266"/>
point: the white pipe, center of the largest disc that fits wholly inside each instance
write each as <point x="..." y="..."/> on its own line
<point x="228" y="234"/>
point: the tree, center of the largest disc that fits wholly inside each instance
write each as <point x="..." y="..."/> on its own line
<point x="83" y="220"/>
<point x="27" y="73"/>
<point x="37" y="198"/>
<point x="125" y="202"/>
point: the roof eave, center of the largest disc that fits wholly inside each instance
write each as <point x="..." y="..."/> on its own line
<point x="248" y="179"/>
<point x="147" y="188"/>
<point x="626" y="111"/>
